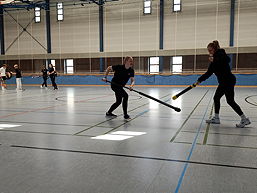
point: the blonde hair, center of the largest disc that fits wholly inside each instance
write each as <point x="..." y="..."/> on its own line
<point x="126" y="59"/>
<point x="214" y="44"/>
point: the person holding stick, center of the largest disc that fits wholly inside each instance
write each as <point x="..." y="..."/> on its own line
<point x="122" y="74"/>
<point x="3" y="76"/>
<point x="18" y="74"/>
<point x="219" y="65"/>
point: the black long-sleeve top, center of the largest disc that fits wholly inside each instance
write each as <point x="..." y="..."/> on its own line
<point x="18" y="73"/>
<point x="44" y="72"/>
<point x="220" y="67"/>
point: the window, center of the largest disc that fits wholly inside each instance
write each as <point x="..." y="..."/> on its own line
<point x="59" y="8"/>
<point x="147" y="6"/>
<point x="69" y="68"/>
<point x="176" y="64"/>
<point x="154" y="65"/>
<point x="52" y="62"/>
<point x="176" y="5"/>
<point x="37" y="14"/>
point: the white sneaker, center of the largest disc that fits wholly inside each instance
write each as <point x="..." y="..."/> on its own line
<point x="213" y="120"/>
<point x="41" y="86"/>
<point x="243" y="123"/>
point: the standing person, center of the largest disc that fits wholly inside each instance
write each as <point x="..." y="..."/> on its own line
<point x="219" y="65"/>
<point x="45" y="76"/>
<point x="18" y="77"/>
<point x="122" y="73"/>
<point x="3" y="76"/>
<point x="52" y="74"/>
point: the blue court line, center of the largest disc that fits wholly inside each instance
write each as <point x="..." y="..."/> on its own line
<point x="191" y="151"/>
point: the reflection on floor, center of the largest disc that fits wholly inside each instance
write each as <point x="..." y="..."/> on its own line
<point x="61" y="141"/>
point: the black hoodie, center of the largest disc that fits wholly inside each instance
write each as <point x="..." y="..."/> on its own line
<point x="220" y="67"/>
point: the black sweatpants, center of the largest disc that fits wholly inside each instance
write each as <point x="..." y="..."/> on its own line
<point x="121" y="96"/>
<point x="53" y="81"/>
<point x="229" y="92"/>
<point x="45" y="81"/>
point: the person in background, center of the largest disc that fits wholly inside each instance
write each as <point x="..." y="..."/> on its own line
<point x="219" y="65"/>
<point x="45" y="76"/>
<point x="18" y="74"/>
<point x="52" y="73"/>
<point x="3" y="76"/>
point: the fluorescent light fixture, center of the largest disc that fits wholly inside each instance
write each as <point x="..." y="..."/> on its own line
<point x="133" y="133"/>
<point x="112" y="137"/>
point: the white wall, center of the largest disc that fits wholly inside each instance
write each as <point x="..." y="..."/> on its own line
<point x="246" y="23"/>
<point x="78" y="33"/>
<point x="25" y="44"/>
<point x="126" y="28"/>
<point x="197" y="25"/>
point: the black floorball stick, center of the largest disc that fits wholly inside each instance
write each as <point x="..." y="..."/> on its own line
<point x="184" y="91"/>
<point x="150" y="97"/>
<point x="35" y="76"/>
<point x="38" y="77"/>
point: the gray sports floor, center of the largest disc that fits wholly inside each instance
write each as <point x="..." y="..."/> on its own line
<point x="48" y="145"/>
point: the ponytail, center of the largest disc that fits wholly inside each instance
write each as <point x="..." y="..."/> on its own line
<point x="214" y="44"/>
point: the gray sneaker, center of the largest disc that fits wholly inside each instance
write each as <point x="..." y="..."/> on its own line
<point x="243" y="123"/>
<point x="213" y="120"/>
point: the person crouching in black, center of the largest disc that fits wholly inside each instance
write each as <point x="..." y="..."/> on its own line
<point x="122" y="73"/>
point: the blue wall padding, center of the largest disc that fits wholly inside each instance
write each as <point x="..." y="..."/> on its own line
<point x="242" y="79"/>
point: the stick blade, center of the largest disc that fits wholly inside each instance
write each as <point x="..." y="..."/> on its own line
<point x="174" y="97"/>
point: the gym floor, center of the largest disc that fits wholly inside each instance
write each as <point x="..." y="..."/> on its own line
<point x="61" y="142"/>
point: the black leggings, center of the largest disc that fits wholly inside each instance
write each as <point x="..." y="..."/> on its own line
<point x="53" y="81"/>
<point x="45" y="81"/>
<point x="228" y="90"/>
<point x="121" y="96"/>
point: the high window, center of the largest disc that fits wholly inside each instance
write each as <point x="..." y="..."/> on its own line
<point x="154" y="65"/>
<point x="59" y="8"/>
<point x="147" y="6"/>
<point x="176" y="5"/>
<point x="37" y="12"/>
<point x="69" y="68"/>
<point x="176" y="64"/>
